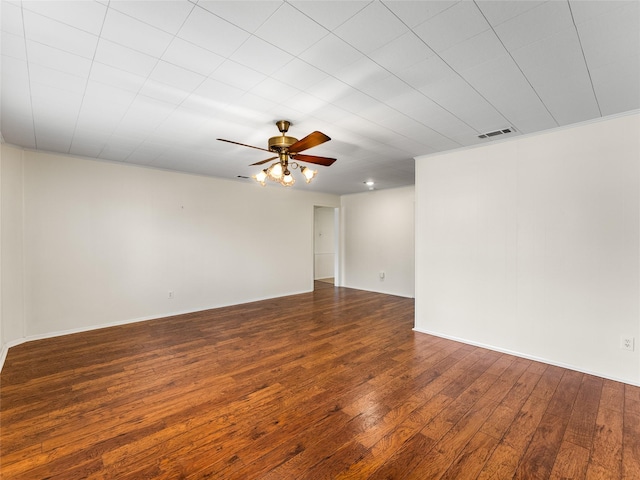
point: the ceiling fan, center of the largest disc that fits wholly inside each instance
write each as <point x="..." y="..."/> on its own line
<point x="287" y="149"/>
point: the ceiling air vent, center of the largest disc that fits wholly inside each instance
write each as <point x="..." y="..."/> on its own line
<point x="497" y="132"/>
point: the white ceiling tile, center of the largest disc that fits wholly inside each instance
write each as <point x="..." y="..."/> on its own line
<point x="163" y="92"/>
<point x="57" y="79"/>
<point x="329" y="89"/>
<point x="211" y="95"/>
<point x="555" y="68"/>
<point x="534" y="25"/>
<point x="13" y="46"/>
<point x="11" y="20"/>
<point x="232" y="73"/>
<point x="502" y="84"/>
<point x="124" y="58"/>
<point x="329" y="113"/>
<point x="305" y="103"/>
<point x="283" y="111"/>
<point x="426" y="72"/>
<point x="100" y="92"/>
<point x="183" y="125"/>
<point x="58" y="35"/>
<point x="89" y="136"/>
<point x="116" y="77"/>
<point x="478" y="49"/>
<point x="456" y="96"/>
<point x="405" y="51"/>
<point x="52" y="141"/>
<point x="192" y="57"/>
<point x="438" y="118"/>
<point x="384" y="89"/>
<point x="385" y="116"/>
<point x="85" y="149"/>
<point x="330" y="54"/>
<point x="87" y="15"/>
<point x="169" y="15"/>
<point x="584" y="11"/>
<point x="46" y="129"/>
<point x="299" y="74"/>
<point x="361" y="71"/>
<point x="141" y="158"/>
<point x="250" y="108"/>
<point x="354" y="101"/>
<point x="177" y="77"/>
<point x="238" y="12"/>
<point x="132" y="33"/>
<point x="146" y="153"/>
<point x="211" y="32"/>
<point x="577" y="103"/>
<point x="124" y="141"/>
<point x="606" y="38"/>
<point x="330" y="14"/>
<point x="274" y="90"/>
<point x="499" y="11"/>
<point x="616" y="86"/>
<point x="414" y="13"/>
<point x="261" y="56"/>
<point x="17" y="127"/>
<point x="301" y="31"/>
<point x="452" y="26"/>
<point x="115" y="153"/>
<point x="144" y="115"/>
<point x="15" y="75"/>
<point x="99" y="116"/>
<point x="58" y="60"/>
<point x="16" y="111"/>
<point x="371" y="28"/>
<point x="53" y="106"/>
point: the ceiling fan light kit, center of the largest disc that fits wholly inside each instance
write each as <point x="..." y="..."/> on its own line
<point x="288" y="149"/>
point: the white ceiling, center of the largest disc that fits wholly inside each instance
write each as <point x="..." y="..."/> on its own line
<point x="156" y="82"/>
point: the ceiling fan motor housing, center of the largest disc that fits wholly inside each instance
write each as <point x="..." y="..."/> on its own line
<point x="277" y="144"/>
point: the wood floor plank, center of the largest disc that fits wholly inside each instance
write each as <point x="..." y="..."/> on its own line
<point x="329" y="384"/>
<point x="571" y="462"/>
<point x="606" y="449"/>
<point x="631" y="443"/>
<point x="582" y="421"/>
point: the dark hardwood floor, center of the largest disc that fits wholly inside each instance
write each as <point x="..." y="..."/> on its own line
<point x="331" y="384"/>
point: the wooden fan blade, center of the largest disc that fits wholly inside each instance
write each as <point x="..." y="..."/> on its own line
<point x="326" y="161"/>
<point x="243" y="144"/>
<point x="263" y="161"/>
<point x="311" y="140"/>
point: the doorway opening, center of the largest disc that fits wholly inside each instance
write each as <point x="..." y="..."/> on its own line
<point x="325" y="245"/>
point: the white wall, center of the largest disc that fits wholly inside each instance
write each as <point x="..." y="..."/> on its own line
<point x="378" y="237"/>
<point x="104" y="243"/>
<point x="531" y="246"/>
<point x="324" y="243"/>
<point x="12" y="320"/>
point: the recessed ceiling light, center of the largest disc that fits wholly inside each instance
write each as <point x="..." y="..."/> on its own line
<point x="369" y="183"/>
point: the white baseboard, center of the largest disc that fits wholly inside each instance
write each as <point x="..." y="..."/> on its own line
<point x="528" y="357"/>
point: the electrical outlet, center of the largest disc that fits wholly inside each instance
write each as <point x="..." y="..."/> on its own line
<point x="170" y="294"/>
<point x="627" y="343"/>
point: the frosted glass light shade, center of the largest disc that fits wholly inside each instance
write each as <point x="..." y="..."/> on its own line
<point x="308" y="174"/>
<point x="275" y="171"/>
